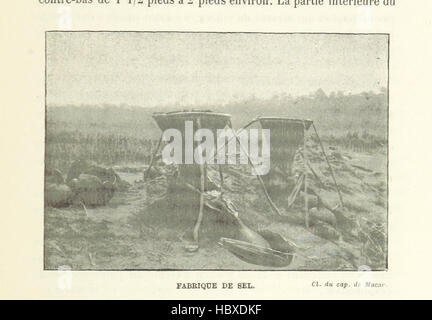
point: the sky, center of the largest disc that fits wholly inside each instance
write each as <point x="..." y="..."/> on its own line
<point x="151" y="69"/>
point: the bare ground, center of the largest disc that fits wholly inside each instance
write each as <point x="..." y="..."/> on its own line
<point x="130" y="234"/>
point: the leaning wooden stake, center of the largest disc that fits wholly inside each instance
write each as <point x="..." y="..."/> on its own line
<point x="230" y="138"/>
<point x="201" y="207"/>
<point x="221" y="179"/>
<point x="330" y="167"/>
<point x="305" y="177"/>
<point x="152" y="158"/>
<point x="292" y="197"/>
<point x="270" y="201"/>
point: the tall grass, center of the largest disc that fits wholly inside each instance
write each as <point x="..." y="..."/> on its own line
<point x="64" y="147"/>
<point x="114" y="135"/>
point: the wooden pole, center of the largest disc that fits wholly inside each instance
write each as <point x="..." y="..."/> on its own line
<point x="221" y="178"/>
<point x="295" y="191"/>
<point x="269" y="200"/>
<point x="201" y="206"/>
<point x="152" y="158"/>
<point x="305" y="177"/>
<point x="230" y="126"/>
<point x="330" y="167"/>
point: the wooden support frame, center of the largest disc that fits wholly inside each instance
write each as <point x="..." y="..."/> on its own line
<point x="203" y="173"/>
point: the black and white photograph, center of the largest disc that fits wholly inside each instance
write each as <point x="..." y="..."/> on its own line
<point x="216" y="151"/>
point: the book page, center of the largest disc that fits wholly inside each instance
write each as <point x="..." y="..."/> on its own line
<point x="208" y="149"/>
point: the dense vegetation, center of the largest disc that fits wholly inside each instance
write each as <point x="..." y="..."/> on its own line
<point x="126" y="134"/>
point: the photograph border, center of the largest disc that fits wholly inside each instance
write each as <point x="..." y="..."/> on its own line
<point x="386" y="269"/>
